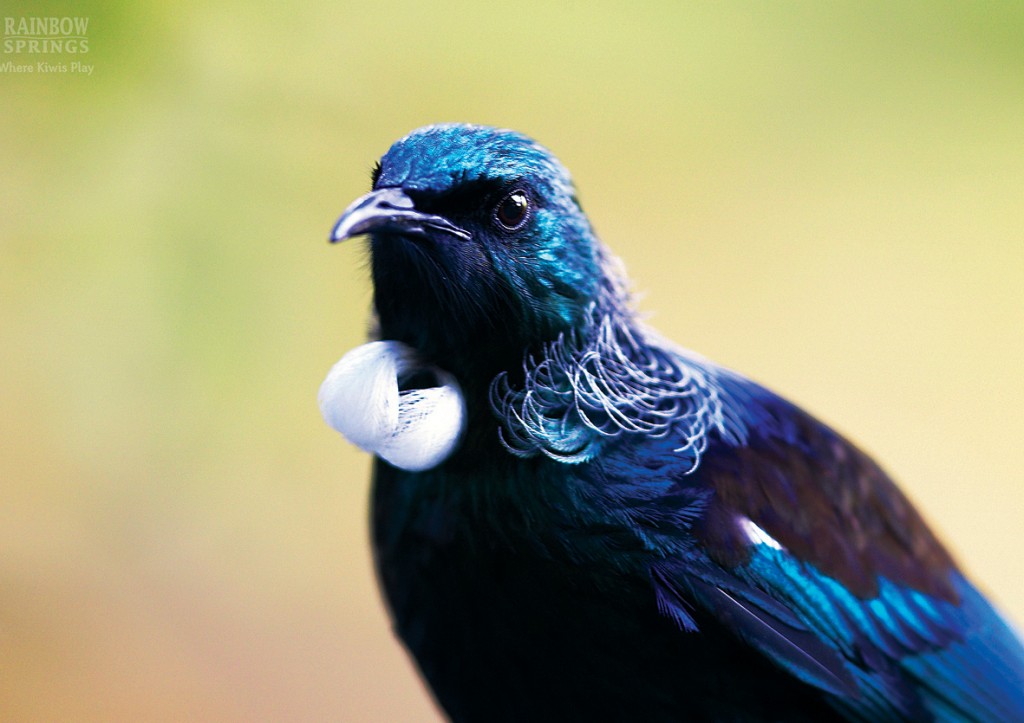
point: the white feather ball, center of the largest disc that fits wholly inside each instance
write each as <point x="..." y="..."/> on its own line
<point x="413" y="429"/>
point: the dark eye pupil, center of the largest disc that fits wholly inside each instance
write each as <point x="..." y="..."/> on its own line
<point x="512" y="210"/>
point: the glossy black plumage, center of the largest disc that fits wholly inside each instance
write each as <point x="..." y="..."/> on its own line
<point x="627" y="531"/>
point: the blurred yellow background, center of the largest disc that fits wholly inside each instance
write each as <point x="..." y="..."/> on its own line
<point x="828" y="197"/>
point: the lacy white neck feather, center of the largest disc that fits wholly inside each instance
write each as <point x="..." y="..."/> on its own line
<point x="616" y="380"/>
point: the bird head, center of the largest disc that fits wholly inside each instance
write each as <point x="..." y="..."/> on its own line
<point x="479" y="247"/>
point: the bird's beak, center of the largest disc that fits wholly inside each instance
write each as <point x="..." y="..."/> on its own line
<point x="390" y="209"/>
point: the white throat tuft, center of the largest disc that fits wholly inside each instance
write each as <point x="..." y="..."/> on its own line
<point x="414" y="429"/>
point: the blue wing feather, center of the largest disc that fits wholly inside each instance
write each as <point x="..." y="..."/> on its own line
<point x="859" y="599"/>
<point x="905" y="648"/>
<point x="775" y="631"/>
<point x="980" y="676"/>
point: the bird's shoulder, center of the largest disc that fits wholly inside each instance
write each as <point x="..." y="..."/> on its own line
<point x="818" y="496"/>
<point x="801" y="544"/>
<point x="766" y="470"/>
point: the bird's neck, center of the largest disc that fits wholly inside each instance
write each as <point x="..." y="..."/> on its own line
<point x="611" y="378"/>
<point x="478" y="348"/>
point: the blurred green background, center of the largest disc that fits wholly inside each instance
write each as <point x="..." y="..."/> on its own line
<point x="826" y="196"/>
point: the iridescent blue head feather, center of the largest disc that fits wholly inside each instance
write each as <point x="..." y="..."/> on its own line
<point x="484" y="261"/>
<point x="476" y="238"/>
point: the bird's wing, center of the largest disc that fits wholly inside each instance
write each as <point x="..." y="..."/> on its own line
<point x="806" y="550"/>
<point x="901" y="654"/>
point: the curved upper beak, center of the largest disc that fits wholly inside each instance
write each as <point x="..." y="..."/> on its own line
<point x="390" y="209"/>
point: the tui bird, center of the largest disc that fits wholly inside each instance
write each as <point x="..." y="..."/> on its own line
<point x="576" y="520"/>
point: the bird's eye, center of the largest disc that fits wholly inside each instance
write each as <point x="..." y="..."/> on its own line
<point x="511" y="212"/>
